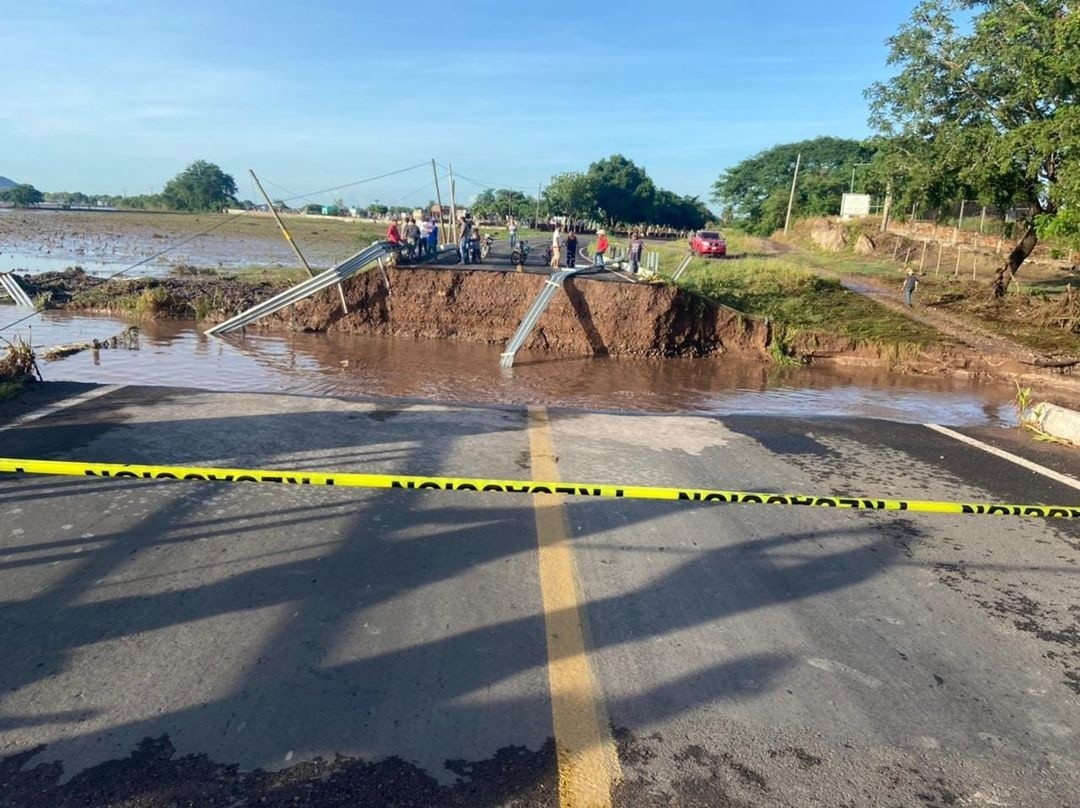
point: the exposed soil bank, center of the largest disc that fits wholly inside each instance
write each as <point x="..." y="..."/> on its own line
<point x="589" y="317"/>
<point x="618" y="319"/>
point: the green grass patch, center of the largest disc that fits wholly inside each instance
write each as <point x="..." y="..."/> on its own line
<point x="849" y="264"/>
<point x="10" y="389"/>
<point x="799" y="300"/>
<point x="111" y="296"/>
<point x="16" y="367"/>
<point x="276" y="275"/>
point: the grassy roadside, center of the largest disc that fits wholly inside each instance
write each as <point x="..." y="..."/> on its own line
<point x="16" y="368"/>
<point x="789" y="292"/>
<point x="1041" y="310"/>
<point x="10" y="389"/>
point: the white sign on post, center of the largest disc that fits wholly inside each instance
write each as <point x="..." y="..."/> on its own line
<point x="854" y="205"/>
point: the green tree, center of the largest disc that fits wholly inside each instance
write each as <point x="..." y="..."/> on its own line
<point x="200" y="186"/>
<point x="570" y="194"/>
<point x="623" y="192"/>
<point x="680" y="212"/>
<point x="984" y="103"/>
<point x="755" y="192"/>
<point x="23" y="195"/>
<point x="494" y="204"/>
<point x="486" y="205"/>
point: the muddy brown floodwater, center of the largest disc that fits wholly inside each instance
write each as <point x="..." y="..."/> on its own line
<point x="178" y="354"/>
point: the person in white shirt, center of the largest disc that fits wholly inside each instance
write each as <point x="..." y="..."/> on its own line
<point x="425" y="237"/>
<point x="556" y="247"/>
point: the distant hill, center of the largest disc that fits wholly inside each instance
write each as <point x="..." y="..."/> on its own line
<point x="5" y="183"/>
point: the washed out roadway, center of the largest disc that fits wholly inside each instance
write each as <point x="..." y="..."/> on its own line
<point x="212" y="644"/>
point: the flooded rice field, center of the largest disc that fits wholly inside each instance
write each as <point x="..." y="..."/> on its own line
<point x="179" y="354"/>
<point x="104" y="244"/>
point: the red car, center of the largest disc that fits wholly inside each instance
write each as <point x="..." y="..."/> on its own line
<point x="708" y="242"/>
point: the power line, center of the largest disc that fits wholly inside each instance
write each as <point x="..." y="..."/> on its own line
<point x="423" y="187"/>
<point x="358" y="182"/>
<point x="485" y="184"/>
<point x="279" y="187"/>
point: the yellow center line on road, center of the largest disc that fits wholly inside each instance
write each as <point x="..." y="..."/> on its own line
<point x="588" y="762"/>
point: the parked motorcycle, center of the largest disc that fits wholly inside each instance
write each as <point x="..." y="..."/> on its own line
<point x="521" y="253"/>
<point x="485" y="245"/>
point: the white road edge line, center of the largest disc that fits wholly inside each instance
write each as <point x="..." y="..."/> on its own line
<point x="1064" y="479"/>
<point x="61" y="405"/>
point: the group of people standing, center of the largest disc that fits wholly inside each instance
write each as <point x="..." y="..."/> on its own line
<point x="420" y="240"/>
<point x="470" y="245"/>
<point x="558" y="242"/>
<point x="600" y="251"/>
<point x="417" y="242"/>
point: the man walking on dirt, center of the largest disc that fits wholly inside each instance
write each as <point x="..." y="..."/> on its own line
<point x="911" y="283"/>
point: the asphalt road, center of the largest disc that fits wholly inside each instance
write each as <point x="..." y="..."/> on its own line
<point x="170" y="643"/>
<point x="499" y="260"/>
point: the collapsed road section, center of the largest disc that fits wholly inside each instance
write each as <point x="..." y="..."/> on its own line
<point x="592" y="318"/>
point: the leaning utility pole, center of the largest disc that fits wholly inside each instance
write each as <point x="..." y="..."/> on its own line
<point x="886" y="209"/>
<point x="453" y="206"/>
<point x="791" y="196"/>
<point x="289" y="238"/>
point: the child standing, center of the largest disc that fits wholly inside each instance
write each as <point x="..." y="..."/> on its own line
<point x="911" y="283"/>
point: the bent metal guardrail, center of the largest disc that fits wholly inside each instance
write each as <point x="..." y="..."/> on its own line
<point x="539" y="306"/>
<point x="11" y="286"/>
<point x="682" y="266"/>
<point x="364" y="259"/>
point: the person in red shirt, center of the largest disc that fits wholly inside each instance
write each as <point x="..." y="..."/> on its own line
<point x="393" y="235"/>
<point x="601" y="248"/>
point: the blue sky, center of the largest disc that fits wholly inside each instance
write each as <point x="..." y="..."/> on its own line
<point x="114" y="96"/>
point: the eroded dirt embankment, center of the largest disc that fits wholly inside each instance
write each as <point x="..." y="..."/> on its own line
<point x="621" y="319"/>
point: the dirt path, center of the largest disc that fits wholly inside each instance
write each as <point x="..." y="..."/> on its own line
<point x="963" y="331"/>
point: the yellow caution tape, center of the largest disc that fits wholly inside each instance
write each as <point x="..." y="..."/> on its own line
<point x="350" y="480"/>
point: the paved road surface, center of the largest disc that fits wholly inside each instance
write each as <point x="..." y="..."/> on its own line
<point x="213" y="644"/>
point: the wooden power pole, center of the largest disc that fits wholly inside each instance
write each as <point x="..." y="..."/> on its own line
<point x="791" y="196"/>
<point x="289" y="238"/>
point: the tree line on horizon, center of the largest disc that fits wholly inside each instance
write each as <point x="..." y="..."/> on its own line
<point x="202" y="186"/>
<point x="613" y="190"/>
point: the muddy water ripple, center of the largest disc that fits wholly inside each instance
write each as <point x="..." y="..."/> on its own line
<point x="178" y="354"/>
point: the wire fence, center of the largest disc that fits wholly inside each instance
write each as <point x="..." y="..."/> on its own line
<point x="959" y="254"/>
<point x="967" y="236"/>
<point x="967" y="216"/>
